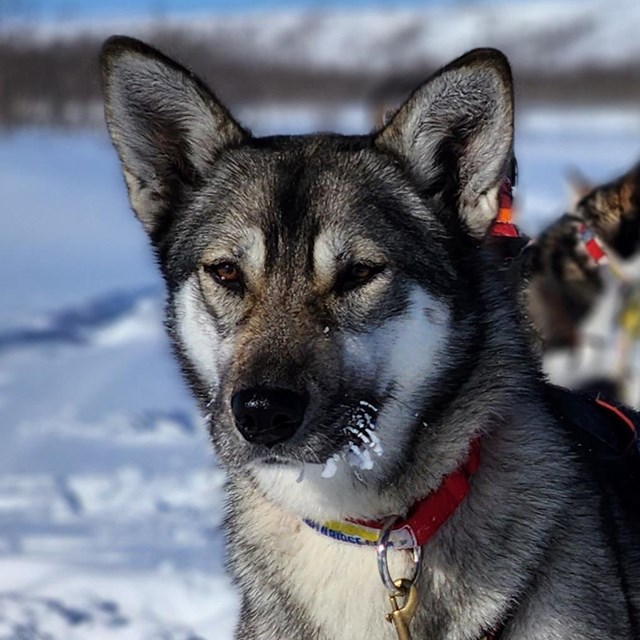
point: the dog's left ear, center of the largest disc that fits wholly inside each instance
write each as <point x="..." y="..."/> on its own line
<point x="578" y="187"/>
<point x="454" y="135"/>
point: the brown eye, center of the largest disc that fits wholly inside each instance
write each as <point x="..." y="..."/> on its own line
<point x="228" y="274"/>
<point x="357" y="275"/>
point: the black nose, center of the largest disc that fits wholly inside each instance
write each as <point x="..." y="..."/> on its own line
<point x="268" y="415"/>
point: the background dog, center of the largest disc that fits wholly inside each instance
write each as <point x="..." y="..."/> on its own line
<point x="565" y="281"/>
<point x="584" y="308"/>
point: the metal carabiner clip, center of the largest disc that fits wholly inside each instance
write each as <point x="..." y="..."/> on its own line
<point x="383" y="566"/>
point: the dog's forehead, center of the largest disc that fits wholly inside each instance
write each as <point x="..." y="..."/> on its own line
<point x="313" y="177"/>
<point x="305" y="200"/>
<point x="304" y="185"/>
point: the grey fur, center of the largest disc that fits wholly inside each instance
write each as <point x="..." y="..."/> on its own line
<point x="529" y="545"/>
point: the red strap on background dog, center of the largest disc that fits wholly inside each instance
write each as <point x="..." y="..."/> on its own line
<point x="592" y="244"/>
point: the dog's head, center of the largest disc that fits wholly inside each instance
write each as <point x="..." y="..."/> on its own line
<point x="321" y="288"/>
<point x="613" y="211"/>
<point x="562" y="283"/>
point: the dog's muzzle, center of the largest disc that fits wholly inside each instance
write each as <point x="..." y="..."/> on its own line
<point x="268" y="416"/>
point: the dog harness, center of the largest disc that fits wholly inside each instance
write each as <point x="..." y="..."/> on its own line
<point x="607" y="432"/>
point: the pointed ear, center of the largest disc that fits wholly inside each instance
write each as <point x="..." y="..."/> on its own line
<point x="166" y="125"/>
<point x="578" y="187"/>
<point x="455" y="135"/>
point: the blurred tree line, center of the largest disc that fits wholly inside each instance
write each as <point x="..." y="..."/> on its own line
<point x="54" y="79"/>
<point x="58" y="82"/>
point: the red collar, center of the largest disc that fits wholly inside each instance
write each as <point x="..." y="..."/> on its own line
<point x="423" y="520"/>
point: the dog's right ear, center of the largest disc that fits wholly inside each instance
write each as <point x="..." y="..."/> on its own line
<point x="166" y="125"/>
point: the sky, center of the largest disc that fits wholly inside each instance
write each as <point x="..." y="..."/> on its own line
<point x="61" y="10"/>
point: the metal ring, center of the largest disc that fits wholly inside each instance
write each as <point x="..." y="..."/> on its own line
<point x="383" y="567"/>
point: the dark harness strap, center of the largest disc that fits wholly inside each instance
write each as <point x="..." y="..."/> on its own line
<point x="612" y="427"/>
<point x="607" y="439"/>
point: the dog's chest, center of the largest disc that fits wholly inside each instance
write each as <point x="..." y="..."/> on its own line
<point x="335" y="586"/>
<point x="339" y="586"/>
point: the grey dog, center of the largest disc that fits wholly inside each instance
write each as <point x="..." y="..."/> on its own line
<point x="348" y="339"/>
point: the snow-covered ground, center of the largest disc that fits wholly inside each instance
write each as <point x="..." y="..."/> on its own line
<point x="110" y="501"/>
